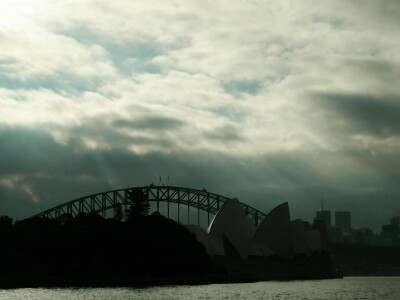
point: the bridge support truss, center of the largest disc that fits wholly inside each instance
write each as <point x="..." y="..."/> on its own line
<point x="100" y="203"/>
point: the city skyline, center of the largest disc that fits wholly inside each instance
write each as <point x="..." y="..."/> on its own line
<point x="264" y="101"/>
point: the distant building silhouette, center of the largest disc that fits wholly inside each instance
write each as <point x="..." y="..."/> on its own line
<point x="322" y="228"/>
<point x="390" y="234"/>
<point x="335" y="235"/>
<point x="343" y="219"/>
<point x="395" y="221"/>
<point x="325" y="216"/>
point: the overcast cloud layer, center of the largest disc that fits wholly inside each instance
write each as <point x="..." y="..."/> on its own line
<point x="267" y="101"/>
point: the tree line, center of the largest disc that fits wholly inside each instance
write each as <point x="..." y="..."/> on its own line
<point x="89" y="245"/>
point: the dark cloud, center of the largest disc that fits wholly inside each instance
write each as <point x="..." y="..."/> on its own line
<point x="25" y="151"/>
<point x="224" y="134"/>
<point x="153" y="123"/>
<point x="35" y="164"/>
<point x="362" y="114"/>
<point x="381" y="11"/>
<point x="381" y="71"/>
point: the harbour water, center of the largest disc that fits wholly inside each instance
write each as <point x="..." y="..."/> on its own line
<point x="347" y="288"/>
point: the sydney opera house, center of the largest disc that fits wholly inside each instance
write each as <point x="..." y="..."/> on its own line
<point x="277" y="243"/>
<point x="231" y="232"/>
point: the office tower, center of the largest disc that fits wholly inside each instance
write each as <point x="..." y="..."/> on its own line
<point x="324" y="215"/>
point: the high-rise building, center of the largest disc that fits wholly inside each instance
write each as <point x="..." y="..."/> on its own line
<point x="325" y="216"/>
<point x="343" y="219"/>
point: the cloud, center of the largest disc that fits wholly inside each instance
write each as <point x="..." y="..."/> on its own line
<point x="39" y="173"/>
<point x="363" y="114"/>
<point x="256" y="99"/>
<point x="224" y="134"/>
<point x="45" y="56"/>
<point x="150" y="123"/>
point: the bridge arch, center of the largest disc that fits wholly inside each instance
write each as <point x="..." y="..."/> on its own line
<point x="100" y="203"/>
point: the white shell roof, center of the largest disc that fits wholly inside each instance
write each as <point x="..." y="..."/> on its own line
<point x="232" y="222"/>
<point x="275" y="231"/>
<point x="275" y="235"/>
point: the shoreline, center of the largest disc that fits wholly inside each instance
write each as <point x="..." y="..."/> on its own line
<point x="139" y="282"/>
<point x="149" y="281"/>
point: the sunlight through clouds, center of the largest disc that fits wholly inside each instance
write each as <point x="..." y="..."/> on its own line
<point x="260" y="83"/>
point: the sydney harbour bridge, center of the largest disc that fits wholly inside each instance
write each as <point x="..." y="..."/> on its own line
<point x="173" y="199"/>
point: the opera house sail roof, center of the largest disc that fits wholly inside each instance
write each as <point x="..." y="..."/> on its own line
<point x="275" y="231"/>
<point x="231" y="233"/>
<point x="231" y="222"/>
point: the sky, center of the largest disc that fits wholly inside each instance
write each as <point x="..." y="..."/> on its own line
<point x="266" y="101"/>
